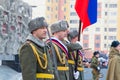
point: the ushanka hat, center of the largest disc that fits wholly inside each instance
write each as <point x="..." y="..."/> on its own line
<point x="37" y="23"/>
<point x="59" y="26"/>
<point x="72" y="34"/>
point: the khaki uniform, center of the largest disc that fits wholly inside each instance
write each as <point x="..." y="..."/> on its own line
<point x="32" y="68"/>
<point x="113" y="72"/>
<point x="94" y="65"/>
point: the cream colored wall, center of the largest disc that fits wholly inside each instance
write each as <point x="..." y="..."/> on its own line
<point x="118" y="30"/>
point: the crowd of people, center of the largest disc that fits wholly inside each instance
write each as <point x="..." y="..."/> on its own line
<point x="60" y="56"/>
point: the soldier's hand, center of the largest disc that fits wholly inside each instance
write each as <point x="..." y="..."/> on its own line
<point x="98" y="68"/>
<point x="76" y="74"/>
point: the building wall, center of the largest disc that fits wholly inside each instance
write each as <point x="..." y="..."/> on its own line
<point x="57" y="10"/>
<point x="118" y="26"/>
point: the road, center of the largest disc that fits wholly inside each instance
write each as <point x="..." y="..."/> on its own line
<point x="88" y="74"/>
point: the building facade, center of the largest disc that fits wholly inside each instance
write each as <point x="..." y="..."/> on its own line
<point x="57" y="10"/>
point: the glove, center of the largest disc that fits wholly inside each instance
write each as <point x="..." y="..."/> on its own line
<point x="76" y="74"/>
<point x="98" y="68"/>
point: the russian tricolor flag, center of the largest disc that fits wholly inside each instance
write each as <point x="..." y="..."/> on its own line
<point x="87" y="12"/>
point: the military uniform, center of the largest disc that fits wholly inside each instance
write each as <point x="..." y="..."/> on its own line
<point x="62" y="63"/>
<point x="61" y="51"/>
<point x="35" y="60"/>
<point x="94" y="66"/>
<point x="73" y="50"/>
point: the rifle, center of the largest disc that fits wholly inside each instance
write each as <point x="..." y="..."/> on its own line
<point x="54" y="56"/>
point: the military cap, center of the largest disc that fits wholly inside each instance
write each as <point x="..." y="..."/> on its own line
<point x="37" y="23"/>
<point x="115" y="43"/>
<point x="72" y="34"/>
<point x="59" y="26"/>
<point x="96" y="52"/>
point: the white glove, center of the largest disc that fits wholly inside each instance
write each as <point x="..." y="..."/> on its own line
<point x="98" y="68"/>
<point x="76" y="74"/>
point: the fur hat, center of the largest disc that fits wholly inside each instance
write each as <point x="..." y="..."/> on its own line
<point x="37" y="23"/>
<point x="72" y="34"/>
<point x="59" y="26"/>
<point x="115" y="43"/>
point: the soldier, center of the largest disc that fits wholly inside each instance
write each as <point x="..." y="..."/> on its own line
<point x="73" y="38"/>
<point x="113" y="72"/>
<point x="58" y="30"/>
<point x="95" y="65"/>
<point x="35" y="60"/>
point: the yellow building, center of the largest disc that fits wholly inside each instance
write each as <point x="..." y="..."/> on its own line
<point x="57" y="10"/>
<point x="118" y="30"/>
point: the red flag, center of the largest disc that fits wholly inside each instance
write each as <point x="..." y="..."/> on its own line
<point x="87" y="11"/>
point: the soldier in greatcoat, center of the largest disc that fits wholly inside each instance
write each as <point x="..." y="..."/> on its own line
<point x="73" y="38"/>
<point x="113" y="72"/>
<point x="58" y="30"/>
<point x="35" y="60"/>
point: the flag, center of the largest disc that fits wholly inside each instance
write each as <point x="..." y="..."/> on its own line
<point x="87" y="12"/>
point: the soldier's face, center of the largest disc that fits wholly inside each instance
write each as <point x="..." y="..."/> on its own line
<point x="67" y="31"/>
<point x="61" y="34"/>
<point x="40" y="33"/>
<point x="118" y="47"/>
<point x="74" y="39"/>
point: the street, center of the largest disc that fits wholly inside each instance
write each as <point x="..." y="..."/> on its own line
<point x="88" y="74"/>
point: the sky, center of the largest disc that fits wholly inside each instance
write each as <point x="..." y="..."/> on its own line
<point x="39" y="10"/>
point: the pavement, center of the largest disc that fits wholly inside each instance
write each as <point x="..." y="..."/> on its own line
<point x="6" y="73"/>
<point x="88" y="74"/>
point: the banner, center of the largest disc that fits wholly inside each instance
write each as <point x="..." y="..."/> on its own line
<point x="87" y="12"/>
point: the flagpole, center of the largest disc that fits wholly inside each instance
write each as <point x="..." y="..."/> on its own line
<point x="76" y="59"/>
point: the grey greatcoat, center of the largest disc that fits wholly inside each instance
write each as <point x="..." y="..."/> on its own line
<point x="29" y="63"/>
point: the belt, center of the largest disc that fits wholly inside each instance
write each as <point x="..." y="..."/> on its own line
<point x="71" y="62"/>
<point x="80" y="69"/>
<point x="60" y="68"/>
<point x="45" y="75"/>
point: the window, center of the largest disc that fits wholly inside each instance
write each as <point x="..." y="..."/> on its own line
<point x="105" y="29"/>
<point x="112" y="5"/>
<point x="48" y="0"/>
<point x="105" y="37"/>
<point x="106" y="13"/>
<point x="105" y="45"/>
<point x="85" y="37"/>
<point x="112" y="29"/>
<point x="73" y="21"/>
<point x="97" y="45"/>
<point x="48" y="8"/>
<point x="106" y="5"/>
<point x="97" y="37"/>
<point x="73" y="14"/>
<point x="112" y="37"/>
<point x="97" y="29"/>
<point x="85" y="45"/>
